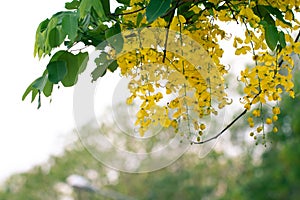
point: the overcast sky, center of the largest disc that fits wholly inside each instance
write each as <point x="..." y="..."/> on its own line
<point x="28" y="135"/>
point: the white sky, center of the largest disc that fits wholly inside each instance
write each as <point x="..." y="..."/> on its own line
<point x="28" y="135"/>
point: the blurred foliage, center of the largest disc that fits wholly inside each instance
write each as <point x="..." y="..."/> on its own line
<point x="272" y="174"/>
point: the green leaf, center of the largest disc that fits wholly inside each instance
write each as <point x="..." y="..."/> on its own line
<point x="268" y="18"/>
<point x="57" y="71"/>
<point x="27" y="91"/>
<point x="39" y="37"/>
<point x="75" y="64"/>
<point x="48" y="89"/>
<point x="264" y="23"/>
<point x="115" y="29"/>
<point x="86" y="8"/>
<point x="265" y="13"/>
<point x="43" y="25"/>
<point x="113" y="66"/>
<point x="139" y="19"/>
<point x="106" y="7"/>
<point x="98" y="72"/>
<point x="184" y="8"/>
<point x="40" y="82"/>
<point x="260" y="11"/>
<point x="70" y="25"/>
<point x="114" y="37"/>
<point x="54" y="38"/>
<point x="97" y="6"/>
<point x="50" y="33"/>
<point x="103" y="63"/>
<point x="156" y="8"/>
<point x="36" y="86"/>
<point x="54" y="35"/>
<point x="33" y="95"/>
<point x="82" y="61"/>
<point x="33" y="91"/>
<point x="278" y="14"/>
<point x="281" y="39"/>
<point x="72" y="5"/>
<point x="272" y="36"/>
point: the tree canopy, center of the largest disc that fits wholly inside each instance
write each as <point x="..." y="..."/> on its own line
<point x="171" y="51"/>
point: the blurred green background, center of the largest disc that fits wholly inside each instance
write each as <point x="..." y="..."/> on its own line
<point x="257" y="172"/>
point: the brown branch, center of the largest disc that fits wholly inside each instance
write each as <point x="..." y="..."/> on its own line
<point x="229" y="125"/>
<point x="225" y="129"/>
<point x="241" y="114"/>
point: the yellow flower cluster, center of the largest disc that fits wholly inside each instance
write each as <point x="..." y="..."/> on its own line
<point x="178" y="75"/>
<point x="174" y="87"/>
<point x="265" y="82"/>
<point x="271" y="74"/>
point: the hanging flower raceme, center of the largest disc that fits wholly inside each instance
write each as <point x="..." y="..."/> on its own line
<point x="172" y="86"/>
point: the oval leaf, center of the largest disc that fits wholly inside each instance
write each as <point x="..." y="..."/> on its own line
<point x="54" y="38"/>
<point x="156" y="9"/>
<point x="57" y="71"/>
<point x="40" y="82"/>
<point x="281" y="39"/>
<point x="86" y="7"/>
<point x="272" y="36"/>
<point x="75" y="65"/>
<point x="70" y="25"/>
<point x="48" y="89"/>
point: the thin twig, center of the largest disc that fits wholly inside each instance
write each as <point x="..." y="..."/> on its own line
<point x="225" y="129"/>
<point x="232" y="11"/>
